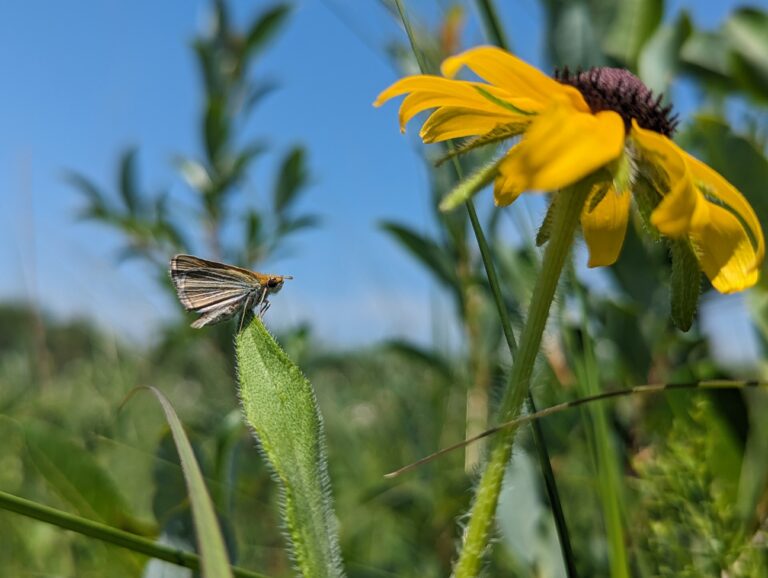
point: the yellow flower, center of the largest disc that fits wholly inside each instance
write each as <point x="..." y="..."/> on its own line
<point x="604" y="124"/>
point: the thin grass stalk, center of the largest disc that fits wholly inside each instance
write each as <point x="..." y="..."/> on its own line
<point x="493" y="28"/>
<point x="108" y="534"/>
<point x="606" y="461"/>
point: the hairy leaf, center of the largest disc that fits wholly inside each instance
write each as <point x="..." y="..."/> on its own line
<point x="281" y="409"/>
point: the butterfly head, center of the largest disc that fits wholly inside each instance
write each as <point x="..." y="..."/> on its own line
<point x="275" y="283"/>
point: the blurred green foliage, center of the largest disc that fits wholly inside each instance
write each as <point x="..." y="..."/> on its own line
<point x="694" y="481"/>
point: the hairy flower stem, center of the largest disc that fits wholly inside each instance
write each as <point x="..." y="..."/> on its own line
<point x="483" y="511"/>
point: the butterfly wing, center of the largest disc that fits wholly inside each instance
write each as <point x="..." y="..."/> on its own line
<point x="207" y="287"/>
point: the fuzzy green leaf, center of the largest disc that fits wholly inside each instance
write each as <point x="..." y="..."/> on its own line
<point x="470" y="186"/>
<point x="281" y="409"/>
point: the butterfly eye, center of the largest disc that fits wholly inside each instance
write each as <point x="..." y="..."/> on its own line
<point x="273" y="282"/>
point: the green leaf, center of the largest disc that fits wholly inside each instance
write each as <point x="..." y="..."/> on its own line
<point x="281" y="409"/>
<point x="634" y="23"/>
<point x="747" y="34"/>
<point x="75" y="475"/>
<point x="426" y="251"/>
<point x="685" y="284"/>
<point x="215" y="127"/>
<point x="214" y="561"/>
<point x="428" y="357"/>
<point x="98" y="209"/>
<point x="470" y="186"/>
<point x="659" y="59"/>
<point x="264" y="29"/>
<point x="292" y="178"/>
<point x="545" y="230"/>
<point x="495" y="136"/>
<point x="706" y="55"/>
<point x="127" y="185"/>
<point x="574" y="33"/>
<point x="289" y="226"/>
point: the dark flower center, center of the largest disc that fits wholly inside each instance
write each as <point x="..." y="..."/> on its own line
<point x="621" y="91"/>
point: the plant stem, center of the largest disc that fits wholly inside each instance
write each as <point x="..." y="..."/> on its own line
<point x="482" y="514"/>
<point x="488" y="12"/>
<point x="492" y="23"/>
<point x="108" y="534"/>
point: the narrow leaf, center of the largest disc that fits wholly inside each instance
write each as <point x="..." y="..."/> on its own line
<point x="634" y="23"/>
<point x="659" y="60"/>
<point x="427" y="251"/>
<point x="497" y="135"/>
<point x="292" y="178"/>
<point x="127" y="185"/>
<point x="545" y="231"/>
<point x="214" y="561"/>
<point x="281" y="409"/>
<point x="265" y="28"/>
<point x="470" y="186"/>
<point x="747" y="32"/>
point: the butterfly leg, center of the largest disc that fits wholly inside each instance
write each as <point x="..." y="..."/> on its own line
<point x="246" y="310"/>
<point x="263" y="304"/>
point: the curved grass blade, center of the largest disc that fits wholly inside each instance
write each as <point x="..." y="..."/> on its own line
<point x="214" y="561"/>
<point x="281" y="410"/>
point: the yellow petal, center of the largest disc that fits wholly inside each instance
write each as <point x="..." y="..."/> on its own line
<point x="508" y="185"/>
<point x="561" y="147"/>
<point x="683" y="206"/>
<point x="605" y="226"/>
<point x="453" y="122"/>
<point x="725" y="251"/>
<point x="519" y="78"/>
<point x="425" y="92"/>
<point x="723" y="190"/>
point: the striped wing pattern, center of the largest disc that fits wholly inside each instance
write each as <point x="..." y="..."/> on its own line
<point x="213" y="289"/>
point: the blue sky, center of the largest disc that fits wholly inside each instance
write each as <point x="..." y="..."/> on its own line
<point x="83" y="84"/>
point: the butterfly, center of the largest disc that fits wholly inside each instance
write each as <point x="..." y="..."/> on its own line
<point x="218" y="291"/>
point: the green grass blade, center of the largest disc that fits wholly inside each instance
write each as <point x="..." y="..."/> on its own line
<point x="146" y="546"/>
<point x="281" y="408"/>
<point x="214" y="561"/>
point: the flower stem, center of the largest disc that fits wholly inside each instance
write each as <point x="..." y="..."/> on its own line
<point x="483" y="510"/>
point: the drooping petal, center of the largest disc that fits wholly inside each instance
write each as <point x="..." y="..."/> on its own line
<point x="454" y="122"/>
<point x="725" y="251"/>
<point x="425" y="92"/>
<point x="716" y="185"/>
<point x="605" y="226"/>
<point x="504" y="70"/>
<point x="508" y="185"/>
<point x="561" y="147"/>
<point x="683" y="206"/>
